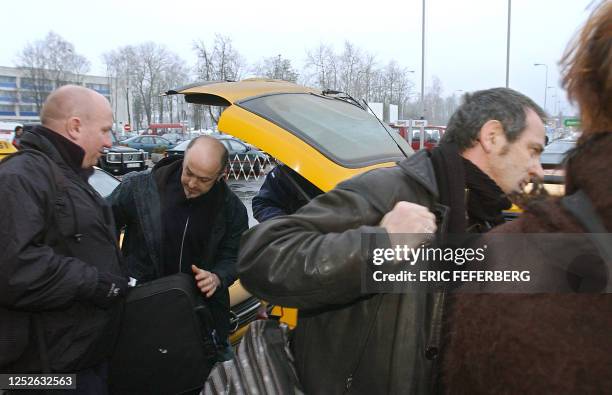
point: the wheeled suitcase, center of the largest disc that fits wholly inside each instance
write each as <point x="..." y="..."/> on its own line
<point x="166" y="343"/>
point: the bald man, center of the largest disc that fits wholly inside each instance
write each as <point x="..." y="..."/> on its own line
<point x="60" y="276"/>
<point x="182" y="217"/>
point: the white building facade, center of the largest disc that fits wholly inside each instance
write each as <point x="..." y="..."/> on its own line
<point x="17" y="94"/>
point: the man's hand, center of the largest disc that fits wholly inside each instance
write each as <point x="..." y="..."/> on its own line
<point x="206" y="281"/>
<point x="409" y="218"/>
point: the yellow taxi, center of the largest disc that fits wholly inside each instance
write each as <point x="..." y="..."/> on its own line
<point x="6" y="148"/>
<point x="326" y="137"/>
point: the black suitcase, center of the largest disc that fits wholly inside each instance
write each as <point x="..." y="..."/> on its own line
<point x="166" y="341"/>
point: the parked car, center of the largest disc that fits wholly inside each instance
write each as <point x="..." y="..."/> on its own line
<point x="433" y="135"/>
<point x="120" y="160"/>
<point x="148" y="143"/>
<point x="554" y="153"/>
<point x="244" y="308"/>
<point x="174" y="138"/>
<point x="6" y="148"/>
<point x="242" y="158"/>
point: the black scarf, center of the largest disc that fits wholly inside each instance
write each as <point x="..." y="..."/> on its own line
<point x="485" y="200"/>
<point x="71" y="153"/>
<point x="454" y="175"/>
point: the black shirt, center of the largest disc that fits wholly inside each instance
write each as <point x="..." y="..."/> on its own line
<point x="185" y="223"/>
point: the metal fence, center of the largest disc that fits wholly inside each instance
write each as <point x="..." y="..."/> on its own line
<point x="247" y="167"/>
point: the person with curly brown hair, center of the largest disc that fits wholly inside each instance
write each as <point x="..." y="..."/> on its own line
<point x="550" y="343"/>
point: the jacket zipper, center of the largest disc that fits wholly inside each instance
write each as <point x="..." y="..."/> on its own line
<point x="182" y="244"/>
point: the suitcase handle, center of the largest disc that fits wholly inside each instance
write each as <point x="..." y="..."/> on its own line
<point x="209" y="334"/>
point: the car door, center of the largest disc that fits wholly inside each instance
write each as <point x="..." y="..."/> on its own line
<point x="147" y="143"/>
<point x="135" y="143"/>
<point x="162" y="142"/>
<point x="335" y="139"/>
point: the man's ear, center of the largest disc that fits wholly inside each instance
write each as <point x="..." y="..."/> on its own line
<point x="73" y="128"/>
<point x="490" y="135"/>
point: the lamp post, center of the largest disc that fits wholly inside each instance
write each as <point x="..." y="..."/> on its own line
<point x="545" y="82"/>
<point x="423" y="64"/>
<point x="508" y="46"/>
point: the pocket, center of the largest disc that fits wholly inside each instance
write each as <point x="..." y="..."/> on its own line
<point x="64" y="216"/>
<point x="14" y="335"/>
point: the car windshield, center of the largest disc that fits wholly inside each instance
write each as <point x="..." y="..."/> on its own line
<point x="341" y="131"/>
<point x="555" y="152"/>
<point x="102" y="182"/>
<point x="182" y="146"/>
<point x="559" y="147"/>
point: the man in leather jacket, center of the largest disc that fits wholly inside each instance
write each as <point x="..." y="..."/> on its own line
<point x="350" y="341"/>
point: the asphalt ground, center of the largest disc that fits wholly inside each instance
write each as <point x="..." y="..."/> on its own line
<point x="246" y="190"/>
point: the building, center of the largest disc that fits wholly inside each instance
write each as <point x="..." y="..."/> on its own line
<point x="18" y="94"/>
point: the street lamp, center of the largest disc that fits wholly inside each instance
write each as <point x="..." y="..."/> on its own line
<point x="545" y="82"/>
<point x="423" y="64"/>
<point x="508" y="45"/>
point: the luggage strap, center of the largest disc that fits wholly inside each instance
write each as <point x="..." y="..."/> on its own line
<point x="581" y="207"/>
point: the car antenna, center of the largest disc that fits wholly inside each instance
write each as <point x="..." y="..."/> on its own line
<point x="365" y="103"/>
<point x="343" y="96"/>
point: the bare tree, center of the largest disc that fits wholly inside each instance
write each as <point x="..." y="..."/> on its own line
<point x="50" y="63"/>
<point x="143" y="72"/>
<point x="350" y="66"/>
<point x="119" y="71"/>
<point x="434" y="103"/>
<point x="276" y="68"/>
<point x="354" y="71"/>
<point x="323" y="65"/>
<point x="218" y="62"/>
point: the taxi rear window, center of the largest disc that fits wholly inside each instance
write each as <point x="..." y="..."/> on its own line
<point x="341" y="131"/>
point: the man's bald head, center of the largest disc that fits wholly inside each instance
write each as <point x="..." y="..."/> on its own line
<point x="207" y="145"/>
<point x="70" y="101"/>
<point x="81" y="115"/>
<point x="204" y="164"/>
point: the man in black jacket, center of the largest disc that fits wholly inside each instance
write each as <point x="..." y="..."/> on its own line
<point x="283" y="192"/>
<point x="350" y="341"/>
<point x="60" y="274"/>
<point x="182" y="217"/>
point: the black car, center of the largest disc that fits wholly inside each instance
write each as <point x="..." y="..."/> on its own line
<point x="243" y="159"/>
<point x="120" y="160"/>
<point x="554" y="154"/>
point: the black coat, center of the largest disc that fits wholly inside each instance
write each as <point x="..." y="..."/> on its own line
<point x="55" y="240"/>
<point x="136" y="205"/>
<point x="279" y="195"/>
<point x="347" y="341"/>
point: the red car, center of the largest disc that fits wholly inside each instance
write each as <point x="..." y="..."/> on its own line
<point x="433" y="134"/>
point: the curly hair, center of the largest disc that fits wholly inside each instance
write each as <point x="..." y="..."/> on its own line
<point x="586" y="68"/>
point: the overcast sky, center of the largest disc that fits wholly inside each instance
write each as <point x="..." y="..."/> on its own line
<point x="465" y="41"/>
